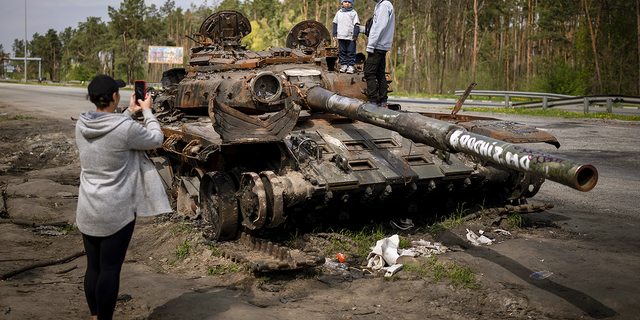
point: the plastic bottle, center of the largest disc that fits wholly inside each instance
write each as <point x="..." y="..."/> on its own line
<point x="335" y="265"/>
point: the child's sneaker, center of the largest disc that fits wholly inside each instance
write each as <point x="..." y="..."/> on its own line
<point x="343" y="68"/>
<point x="350" y="69"/>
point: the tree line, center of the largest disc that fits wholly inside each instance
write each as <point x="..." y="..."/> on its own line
<point x="573" y="47"/>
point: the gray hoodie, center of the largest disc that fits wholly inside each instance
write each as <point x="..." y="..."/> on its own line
<point x="118" y="181"/>
<point x="384" y="21"/>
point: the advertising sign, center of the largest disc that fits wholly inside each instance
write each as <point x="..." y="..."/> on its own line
<point x="165" y="55"/>
<point x="13" y="69"/>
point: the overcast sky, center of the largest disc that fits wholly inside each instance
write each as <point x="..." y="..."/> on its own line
<point x="43" y="15"/>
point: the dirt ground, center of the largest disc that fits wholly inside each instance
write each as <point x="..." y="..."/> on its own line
<point x="39" y="173"/>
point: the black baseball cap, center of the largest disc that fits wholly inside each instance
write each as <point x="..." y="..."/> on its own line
<point x="104" y="85"/>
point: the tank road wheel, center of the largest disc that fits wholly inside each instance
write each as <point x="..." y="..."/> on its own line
<point x="219" y="204"/>
<point x="253" y="201"/>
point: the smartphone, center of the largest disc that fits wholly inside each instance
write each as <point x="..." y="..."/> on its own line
<point x="140" y="88"/>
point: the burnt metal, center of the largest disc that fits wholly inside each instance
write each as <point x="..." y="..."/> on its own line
<point x="279" y="137"/>
<point x="454" y="138"/>
<point x="264" y="256"/>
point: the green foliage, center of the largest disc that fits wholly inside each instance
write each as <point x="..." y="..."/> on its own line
<point x="420" y="271"/>
<point x="404" y="243"/>
<point x="17" y="117"/>
<point x="462" y="276"/>
<point x="80" y="73"/>
<point x="215" y="252"/>
<point x="450" y="222"/>
<point x="515" y="219"/>
<point x="293" y="237"/>
<point x="183" y="248"/>
<point x="551" y="53"/>
<point x="69" y="228"/>
<point x="554" y="113"/>
<point x="182" y="228"/>
<point x="565" y="79"/>
<point x="218" y="270"/>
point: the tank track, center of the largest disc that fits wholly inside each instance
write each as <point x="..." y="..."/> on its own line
<point x="264" y="256"/>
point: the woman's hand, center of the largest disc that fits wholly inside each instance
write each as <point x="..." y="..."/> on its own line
<point x="141" y="105"/>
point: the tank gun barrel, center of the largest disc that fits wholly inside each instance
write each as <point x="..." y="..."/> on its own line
<point x="454" y="138"/>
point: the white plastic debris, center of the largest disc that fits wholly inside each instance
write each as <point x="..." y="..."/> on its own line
<point x="387" y="249"/>
<point x="477" y="240"/>
<point x="392" y="270"/>
<point x="503" y="232"/>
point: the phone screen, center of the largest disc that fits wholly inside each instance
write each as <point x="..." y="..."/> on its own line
<point x="140" y="89"/>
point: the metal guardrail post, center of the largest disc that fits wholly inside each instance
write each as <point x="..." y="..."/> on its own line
<point x="544" y="103"/>
<point x="609" y="105"/>
<point x="586" y="105"/>
<point x="506" y="101"/>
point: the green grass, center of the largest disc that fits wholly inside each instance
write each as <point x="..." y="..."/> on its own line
<point x="450" y="222"/>
<point x="558" y="113"/>
<point x="462" y="276"/>
<point x="365" y="239"/>
<point x="217" y="270"/>
<point x="458" y="276"/>
<point x="421" y="271"/>
<point x="515" y="219"/>
<point x="215" y="252"/>
<point x="293" y="237"/>
<point x="183" y="248"/>
<point x="18" y="117"/>
<point x="182" y="228"/>
<point x="404" y="243"/>
<point x="68" y="228"/>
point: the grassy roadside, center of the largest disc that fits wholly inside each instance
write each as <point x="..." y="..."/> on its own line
<point x="553" y="113"/>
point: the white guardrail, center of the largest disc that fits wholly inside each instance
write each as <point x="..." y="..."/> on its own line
<point x="556" y="99"/>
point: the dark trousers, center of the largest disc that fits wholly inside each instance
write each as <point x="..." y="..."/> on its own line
<point x="105" y="256"/>
<point x="347" y="52"/>
<point x="374" y="73"/>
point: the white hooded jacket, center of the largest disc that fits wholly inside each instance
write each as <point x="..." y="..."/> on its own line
<point x="118" y="181"/>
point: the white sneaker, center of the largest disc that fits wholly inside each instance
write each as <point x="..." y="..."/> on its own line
<point x="350" y="69"/>
<point x="343" y="68"/>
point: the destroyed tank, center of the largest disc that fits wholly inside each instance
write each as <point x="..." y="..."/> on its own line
<point x="258" y="140"/>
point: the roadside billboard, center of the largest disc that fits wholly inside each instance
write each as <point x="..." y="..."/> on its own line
<point x="13" y="69"/>
<point x="165" y="55"/>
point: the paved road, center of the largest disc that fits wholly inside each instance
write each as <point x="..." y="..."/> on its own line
<point x="449" y="103"/>
<point x="52" y="101"/>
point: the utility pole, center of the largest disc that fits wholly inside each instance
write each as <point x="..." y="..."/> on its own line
<point x="25" y="41"/>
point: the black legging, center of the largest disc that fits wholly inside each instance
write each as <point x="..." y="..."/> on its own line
<point x="105" y="256"/>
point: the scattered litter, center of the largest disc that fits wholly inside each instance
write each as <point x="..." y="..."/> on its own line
<point x="503" y="232"/>
<point x="49" y="231"/>
<point x="341" y="257"/>
<point x="477" y="240"/>
<point x="335" y="265"/>
<point x="386" y="255"/>
<point x="541" y="275"/>
<point x="7" y="311"/>
<point x="285" y="300"/>
<point x="124" y="297"/>
<point x="405" y="224"/>
<point x="392" y="270"/>
<point x="270" y="288"/>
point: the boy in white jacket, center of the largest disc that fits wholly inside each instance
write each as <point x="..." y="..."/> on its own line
<point x="346" y="27"/>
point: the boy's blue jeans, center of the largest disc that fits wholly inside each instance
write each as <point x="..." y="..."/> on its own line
<point x="347" y="52"/>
